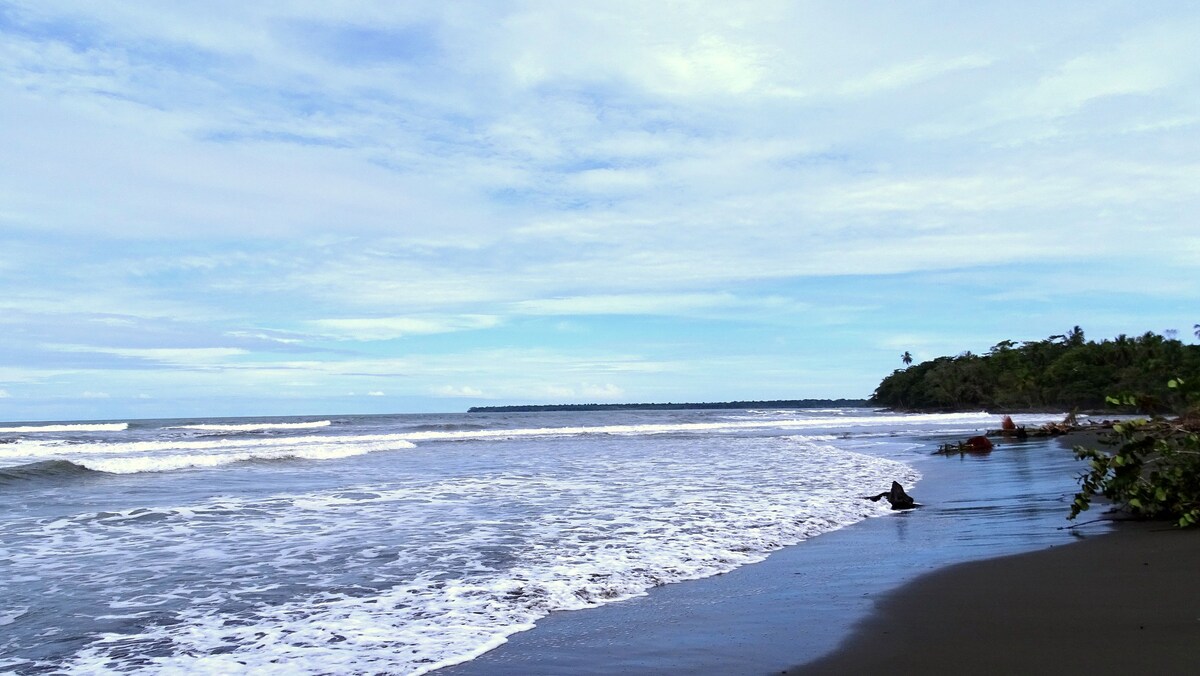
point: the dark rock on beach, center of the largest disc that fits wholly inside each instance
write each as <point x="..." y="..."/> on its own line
<point x="896" y="497"/>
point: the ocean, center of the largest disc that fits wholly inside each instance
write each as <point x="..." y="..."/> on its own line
<point x="401" y="544"/>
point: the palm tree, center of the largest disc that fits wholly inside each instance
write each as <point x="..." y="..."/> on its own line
<point x="907" y="356"/>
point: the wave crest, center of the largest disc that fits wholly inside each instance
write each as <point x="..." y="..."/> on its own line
<point x="44" y="470"/>
<point x="81" y="427"/>
<point x="254" y="427"/>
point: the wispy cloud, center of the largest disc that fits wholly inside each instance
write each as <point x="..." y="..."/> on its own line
<point x="1152" y="58"/>
<point x="388" y="328"/>
<point x="910" y="73"/>
<point x="415" y="198"/>
<point x="629" y="304"/>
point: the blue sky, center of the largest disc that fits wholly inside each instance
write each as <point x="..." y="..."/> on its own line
<point x="228" y="208"/>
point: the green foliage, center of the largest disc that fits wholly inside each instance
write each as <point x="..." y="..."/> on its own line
<point x="1061" y="372"/>
<point x="1155" y="470"/>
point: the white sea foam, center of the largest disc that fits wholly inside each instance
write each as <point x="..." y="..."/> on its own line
<point x="163" y="456"/>
<point x="11" y="615"/>
<point x="406" y="576"/>
<point x="82" y="427"/>
<point x="406" y="562"/>
<point x="170" y="454"/>
<point x="81" y="453"/>
<point x="254" y="427"/>
<point x="166" y="463"/>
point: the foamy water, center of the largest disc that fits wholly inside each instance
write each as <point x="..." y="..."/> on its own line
<point x="78" y="427"/>
<point x="254" y="427"/>
<point x="400" y="544"/>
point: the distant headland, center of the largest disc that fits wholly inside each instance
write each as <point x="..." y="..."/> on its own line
<point x="779" y="403"/>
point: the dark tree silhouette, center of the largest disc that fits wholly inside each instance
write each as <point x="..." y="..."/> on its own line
<point x="907" y="356"/>
<point x="1062" y="372"/>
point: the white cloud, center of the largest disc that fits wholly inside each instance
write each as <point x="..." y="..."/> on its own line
<point x="606" y="392"/>
<point x="4" y="394"/>
<point x="627" y="304"/>
<point x="199" y="356"/>
<point x="376" y="393"/>
<point x="896" y="76"/>
<point x="389" y="328"/>
<point x="712" y="65"/>
<point x="452" y="391"/>
<point x="687" y="50"/>
<point x="1149" y="60"/>
<point x="240" y="188"/>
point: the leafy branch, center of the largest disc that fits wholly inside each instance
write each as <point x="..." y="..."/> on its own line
<point x="1154" y="472"/>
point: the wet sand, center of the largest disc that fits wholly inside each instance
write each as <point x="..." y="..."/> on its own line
<point x="1123" y="603"/>
<point x="804" y="601"/>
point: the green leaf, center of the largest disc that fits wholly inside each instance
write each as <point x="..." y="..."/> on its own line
<point x="1160" y="494"/>
<point x="1172" y="383"/>
<point x="1113" y="400"/>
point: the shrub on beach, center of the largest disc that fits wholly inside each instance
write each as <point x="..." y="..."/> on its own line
<point x="1154" y="472"/>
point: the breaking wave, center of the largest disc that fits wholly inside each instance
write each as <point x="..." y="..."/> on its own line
<point x="44" y="470"/>
<point x="254" y="427"/>
<point x="407" y="578"/>
<point x="164" y="456"/>
<point x="82" y="427"/>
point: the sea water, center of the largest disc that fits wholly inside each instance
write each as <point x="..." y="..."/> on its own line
<point x="400" y="544"/>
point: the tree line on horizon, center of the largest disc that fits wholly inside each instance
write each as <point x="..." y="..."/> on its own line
<point x="1062" y="372"/>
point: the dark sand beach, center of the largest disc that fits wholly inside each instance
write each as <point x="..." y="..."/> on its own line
<point x="890" y="589"/>
<point x="1123" y="603"/>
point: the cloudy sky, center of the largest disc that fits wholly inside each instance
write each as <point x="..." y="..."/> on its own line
<point x="231" y="208"/>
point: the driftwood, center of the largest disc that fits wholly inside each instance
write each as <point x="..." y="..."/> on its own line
<point x="1053" y="429"/>
<point x="980" y="445"/>
<point x="896" y="497"/>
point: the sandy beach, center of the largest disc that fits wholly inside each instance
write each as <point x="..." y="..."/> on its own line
<point x="1123" y="603"/>
<point x="888" y="589"/>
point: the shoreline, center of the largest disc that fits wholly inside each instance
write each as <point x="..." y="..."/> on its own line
<point x="804" y="601"/>
<point x="1038" y="612"/>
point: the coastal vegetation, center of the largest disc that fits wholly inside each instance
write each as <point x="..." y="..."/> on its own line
<point x="1154" y="472"/>
<point x="1153" y="468"/>
<point x="1062" y="372"/>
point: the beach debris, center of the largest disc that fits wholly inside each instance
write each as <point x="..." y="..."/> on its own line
<point x="896" y="497"/>
<point x="979" y="445"/>
<point x="1070" y="423"/>
<point x="1008" y="428"/>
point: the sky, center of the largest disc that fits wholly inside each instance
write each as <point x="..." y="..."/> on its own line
<point x="227" y="208"/>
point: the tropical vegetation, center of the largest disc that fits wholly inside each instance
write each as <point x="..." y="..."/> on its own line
<point x="1154" y="472"/>
<point x="1062" y="372"/>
